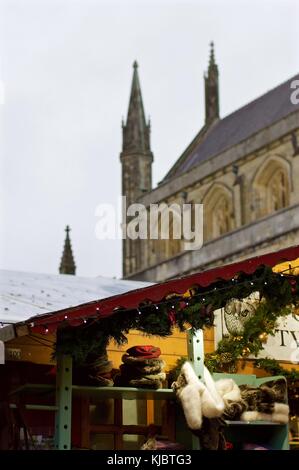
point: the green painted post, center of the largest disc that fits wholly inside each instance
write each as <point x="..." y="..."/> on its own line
<point x="196" y="357"/>
<point x="196" y="351"/>
<point x="63" y="417"/>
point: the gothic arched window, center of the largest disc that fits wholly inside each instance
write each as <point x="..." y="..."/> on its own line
<point x="271" y="189"/>
<point x="221" y="217"/>
<point x="218" y="212"/>
<point x="278" y="191"/>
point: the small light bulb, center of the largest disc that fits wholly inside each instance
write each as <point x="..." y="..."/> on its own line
<point x="84" y="321"/>
<point x="65" y="317"/>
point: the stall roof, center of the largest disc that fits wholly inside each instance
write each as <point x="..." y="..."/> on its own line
<point x="23" y="295"/>
<point x="156" y="293"/>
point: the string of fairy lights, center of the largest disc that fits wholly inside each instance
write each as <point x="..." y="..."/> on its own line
<point x="173" y="302"/>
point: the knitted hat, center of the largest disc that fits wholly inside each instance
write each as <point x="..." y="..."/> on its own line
<point x="135" y="369"/>
<point x="141" y="361"/>
<point x="144" y="351"/>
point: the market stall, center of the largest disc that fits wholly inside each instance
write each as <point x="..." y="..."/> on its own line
<point x="84" y="331"/>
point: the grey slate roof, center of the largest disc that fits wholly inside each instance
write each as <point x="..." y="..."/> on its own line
<point x="238" y="126"/>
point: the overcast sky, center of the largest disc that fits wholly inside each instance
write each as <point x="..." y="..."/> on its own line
<point x="66" y="70"/>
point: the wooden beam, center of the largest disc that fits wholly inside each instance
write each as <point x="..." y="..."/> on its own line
<point x="122" y="429"/>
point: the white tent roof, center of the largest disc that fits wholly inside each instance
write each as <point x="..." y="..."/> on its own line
<point x="23" y="295"/>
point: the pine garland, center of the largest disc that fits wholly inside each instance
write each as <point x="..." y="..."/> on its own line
<point x="274" y="368"/>
<point x="276" y="300"/>
<point x="196" y="311"/>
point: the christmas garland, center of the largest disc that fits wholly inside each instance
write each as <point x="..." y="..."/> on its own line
<point x="94" y="336"/>
<point x="195" y="310"/>
<point x="274" y="368"/>
<point x="274" y="304"/>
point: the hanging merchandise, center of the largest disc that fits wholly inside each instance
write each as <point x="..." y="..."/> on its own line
<point x="238" y="312"/>
<point x="198" y="399"/>
<point x="208" y="404"/>
<point x="141" y="368"/>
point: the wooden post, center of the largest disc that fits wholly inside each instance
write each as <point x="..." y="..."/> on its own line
<point x="85" y="422"/>
<point x="118" y="421"/>
<point x="63" y="417"/>
<point x="150" y="412"/>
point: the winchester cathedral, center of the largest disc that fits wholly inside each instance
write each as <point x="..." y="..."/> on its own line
<point x="243" y="168"/>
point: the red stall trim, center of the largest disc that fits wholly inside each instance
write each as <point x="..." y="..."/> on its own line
<point x="49" y="322"/>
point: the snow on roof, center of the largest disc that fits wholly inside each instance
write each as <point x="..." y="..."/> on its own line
<point x="23" y="295"/>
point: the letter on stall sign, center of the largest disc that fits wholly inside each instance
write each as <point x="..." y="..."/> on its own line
<point x="281" y="335"/>
<point x="294" y="336"/>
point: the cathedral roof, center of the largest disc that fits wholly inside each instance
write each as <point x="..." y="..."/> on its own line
<point x="237" y="127"/>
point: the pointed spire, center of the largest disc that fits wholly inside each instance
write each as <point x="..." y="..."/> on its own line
<point x="67" y="264"/>
<point x="212" y="55"/>
<point x="136" y="131"/>
<point x="212" y="89"/>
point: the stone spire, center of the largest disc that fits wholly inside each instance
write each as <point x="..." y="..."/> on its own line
<point x="212" y="89"/>
<point x="136" y="160"/>
<point x="136" y="132"/>
<point x="67" y="264"/>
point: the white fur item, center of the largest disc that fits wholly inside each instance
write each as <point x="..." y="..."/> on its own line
<point x="229" y="390"/>
<point x="199" y="399"/>
<point x="280" y="414"/>
<point x="212" y="402"/>
<point x="190" y="397"/>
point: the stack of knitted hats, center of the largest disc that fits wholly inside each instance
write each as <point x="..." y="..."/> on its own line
<point x="141" y="368"/>
<point x="96" y="371"/>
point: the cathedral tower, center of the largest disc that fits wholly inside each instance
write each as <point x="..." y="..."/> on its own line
<point x="136" y="159"/>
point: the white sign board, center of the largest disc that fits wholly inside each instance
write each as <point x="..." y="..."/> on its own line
<point x="283" y="346"/>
